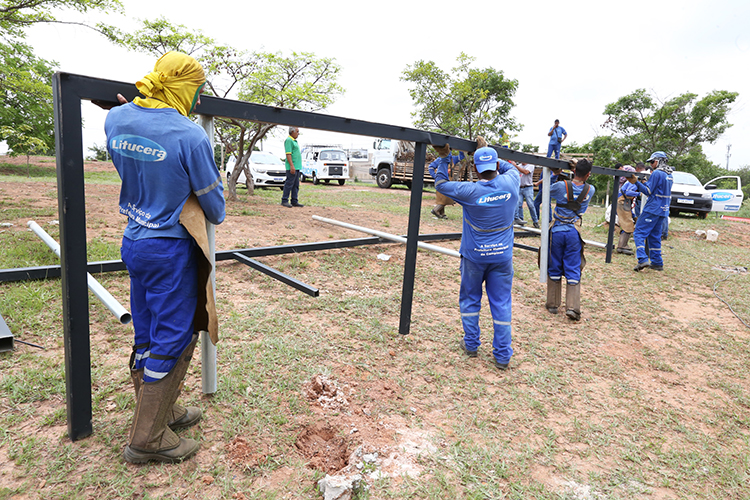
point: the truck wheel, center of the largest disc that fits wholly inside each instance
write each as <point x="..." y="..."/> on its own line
<point x="408" y="185"/>
<point x="341" y="182"/>
<point x="384" y="178"/>
<point x="315" y="179"/>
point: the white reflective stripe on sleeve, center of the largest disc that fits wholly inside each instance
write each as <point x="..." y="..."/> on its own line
<point x="153" y="374"/>
<point x="501" y="323"/>
<point x="470" y="314"/>
<point x="437" y="183"/>
<point x="209" y="188"/>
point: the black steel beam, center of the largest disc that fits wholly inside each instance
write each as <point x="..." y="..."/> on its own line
<point x="277" y="275"/>
<point x="104" y="91"/>
<point x="525" y="247"/>
<point x="72" y="213"/>
<point x="412" y="238"/>
<point x="46" y="272"/>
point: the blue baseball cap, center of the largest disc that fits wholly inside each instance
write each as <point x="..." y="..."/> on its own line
<point x="485" y="159"/>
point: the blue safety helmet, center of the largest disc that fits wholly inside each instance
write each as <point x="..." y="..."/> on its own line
<point x="656" y="156"/>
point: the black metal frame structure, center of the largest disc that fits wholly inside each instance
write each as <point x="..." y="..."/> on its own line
<point x="70" y="90"/>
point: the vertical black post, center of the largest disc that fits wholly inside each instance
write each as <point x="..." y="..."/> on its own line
<point x="72" y="214"/>
<point x="612" y="218"/>
<point x="412" y="237"/>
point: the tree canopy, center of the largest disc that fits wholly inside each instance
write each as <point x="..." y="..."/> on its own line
<point x="464" y="102"/>
<point x="677" y="126"/>
<point x="301" y="81"/>
<point x="25" y="98"/>
<point x="26" y="115"/>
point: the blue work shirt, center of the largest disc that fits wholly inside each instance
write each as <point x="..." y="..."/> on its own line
<point x="658" y="188"/>
<point x="489" y="209"/>
<point x="161" y="157"/>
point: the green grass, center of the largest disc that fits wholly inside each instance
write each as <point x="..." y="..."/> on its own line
<point x="635" y="401"/>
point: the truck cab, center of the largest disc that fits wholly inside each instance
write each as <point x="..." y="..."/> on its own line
<point x="383" y="156"/>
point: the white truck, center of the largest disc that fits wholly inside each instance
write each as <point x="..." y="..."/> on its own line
<point x="726" y="193"/>
<point x="393" y="163"/>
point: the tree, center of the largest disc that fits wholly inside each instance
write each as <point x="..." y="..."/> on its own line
<point x="25" y="95"/>
<point x="22" y="142"/>
<point x="677" y="126"/>
<point x="159" y="37"/>
<point x="465" y="102"/>
<point x="25" y="80"/>
<point x="300" y="81"/>
<point x="16" y="15"/>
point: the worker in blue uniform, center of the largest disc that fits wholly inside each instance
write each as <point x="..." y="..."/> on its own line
<point x="648" y="228"/>
<point x="166" y="164"/>
<point x="489" y="206"/>
<point x="565" y="242"/>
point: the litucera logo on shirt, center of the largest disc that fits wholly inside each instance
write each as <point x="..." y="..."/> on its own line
<point x="137" y="147"/>
<point x="497" y="198"/>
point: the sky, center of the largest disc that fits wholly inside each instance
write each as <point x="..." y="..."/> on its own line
<point x="570" y="58"/>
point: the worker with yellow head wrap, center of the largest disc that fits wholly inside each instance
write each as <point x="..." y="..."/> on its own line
<point x="165" y="161"/>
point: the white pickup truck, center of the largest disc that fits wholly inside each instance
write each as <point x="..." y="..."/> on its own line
<point x="726" y="192"/>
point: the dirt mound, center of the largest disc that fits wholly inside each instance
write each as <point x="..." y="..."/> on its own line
<point x="324" y="449"/>
<point x="326" y="392"/>
<point x="244" y="455"/>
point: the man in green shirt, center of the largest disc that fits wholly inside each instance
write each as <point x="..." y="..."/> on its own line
<point x="293" y="169"/>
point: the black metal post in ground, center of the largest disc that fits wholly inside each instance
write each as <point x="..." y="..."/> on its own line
<point x="612" y="218"/>
<point x="72" y="212"/>
<point x="412" y="237"/>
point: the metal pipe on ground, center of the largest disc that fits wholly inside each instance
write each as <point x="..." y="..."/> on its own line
<point x="387" y="236"/>
<point x="97" y="289"/>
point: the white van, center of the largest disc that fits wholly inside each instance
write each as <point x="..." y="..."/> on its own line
<point x="325" y="164"/>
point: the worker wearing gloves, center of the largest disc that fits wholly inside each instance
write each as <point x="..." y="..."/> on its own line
<point x="565" y="242"/>
<point x="486" y="249"/>
<point x="625" y="198"/>
<point x="170" y="186"/>
<point x="648" y="229"/>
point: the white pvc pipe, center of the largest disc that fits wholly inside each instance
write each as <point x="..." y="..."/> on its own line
<point x="387" y="236"/>
<point x="208" y="349"/>
<point x="98" y="290"/>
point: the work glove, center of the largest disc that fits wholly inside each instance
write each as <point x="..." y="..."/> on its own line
<point x="443" y="151"/>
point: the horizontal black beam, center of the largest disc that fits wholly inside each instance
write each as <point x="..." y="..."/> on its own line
<point x="48" y="272"/>
<point x="278" y="275"/>
<point x="518" y="156"/>
<point x="104" y="92"/>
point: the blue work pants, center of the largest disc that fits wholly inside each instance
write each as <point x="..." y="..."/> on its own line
<point x="498" y="279"/>
<point x="526" y="193"/>
<point x="163" y="296"/>
<point x="648" y="231"/>
<point x="565" y="256"/>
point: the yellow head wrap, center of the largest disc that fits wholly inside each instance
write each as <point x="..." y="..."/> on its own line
<point x="175" y="82"/>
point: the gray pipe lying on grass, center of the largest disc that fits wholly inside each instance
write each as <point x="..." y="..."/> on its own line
<point x="98" y="290"/>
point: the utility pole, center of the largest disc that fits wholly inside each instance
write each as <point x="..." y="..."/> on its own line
<point x="729" y="146"/>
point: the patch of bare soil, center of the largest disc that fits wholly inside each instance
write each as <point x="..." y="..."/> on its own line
<point x="323" y="447"/>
